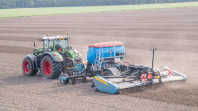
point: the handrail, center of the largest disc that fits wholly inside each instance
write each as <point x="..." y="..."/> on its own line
<point x="99" y="59"/>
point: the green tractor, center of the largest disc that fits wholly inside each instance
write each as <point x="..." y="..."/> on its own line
<point x="55" y="57"/>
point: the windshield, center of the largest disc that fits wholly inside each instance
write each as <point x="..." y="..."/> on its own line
<point x="61" y="45"/>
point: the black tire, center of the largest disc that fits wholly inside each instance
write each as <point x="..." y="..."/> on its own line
<point x="107" y="73"/>
<point x="73" y="80"/>
<point x="27" y="67"/>
<point x="50" y="69"/>
<point x="67" y="62"/>
<point x="111" y="72"/>
<point x="93" y="86"/>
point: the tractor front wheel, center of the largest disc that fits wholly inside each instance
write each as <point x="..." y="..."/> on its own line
<point x="49" y="68"/>
<point x="27" y="67"/>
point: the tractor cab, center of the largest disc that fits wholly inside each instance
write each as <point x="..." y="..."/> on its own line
<point x="52" y="44"/>
<point x="58" y="44"/>
<point x="55" y="44"/>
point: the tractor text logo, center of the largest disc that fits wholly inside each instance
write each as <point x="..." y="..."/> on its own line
<point x="100" y="80"/>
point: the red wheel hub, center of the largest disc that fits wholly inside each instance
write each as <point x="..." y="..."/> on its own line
<point x="26" y="66"/>
<point x="47" y="68"/>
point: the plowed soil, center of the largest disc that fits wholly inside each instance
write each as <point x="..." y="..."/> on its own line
<point x="173" y="31"/>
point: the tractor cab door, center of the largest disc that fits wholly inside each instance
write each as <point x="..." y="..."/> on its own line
<point x="48" y="45"/>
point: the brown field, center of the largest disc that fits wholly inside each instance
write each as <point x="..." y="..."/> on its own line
<point x="173" y="31"/>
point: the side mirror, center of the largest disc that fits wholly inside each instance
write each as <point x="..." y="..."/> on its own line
<point x="34" y="43"/>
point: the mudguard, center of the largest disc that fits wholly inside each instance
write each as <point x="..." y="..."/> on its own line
<point x="74" y="53"/>
<point x="55" y="56"/>
<point x="78" y="53"/>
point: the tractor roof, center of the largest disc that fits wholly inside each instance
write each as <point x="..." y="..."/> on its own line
<point x="55" y="37"/>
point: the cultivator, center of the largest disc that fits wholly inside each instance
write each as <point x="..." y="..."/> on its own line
<point x="111" y="75"/>
<point x="112" y="84"/>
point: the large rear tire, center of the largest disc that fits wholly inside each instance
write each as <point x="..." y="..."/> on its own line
<point x="50" y="69"/>
<point x="27" y="67"/>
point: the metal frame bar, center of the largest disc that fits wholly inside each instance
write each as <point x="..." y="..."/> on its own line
<point x="184" y="76"/>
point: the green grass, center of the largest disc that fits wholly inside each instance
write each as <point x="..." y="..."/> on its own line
<point x="26" y="12"/>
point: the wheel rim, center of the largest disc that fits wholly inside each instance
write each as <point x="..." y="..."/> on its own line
<point x="26" y="67"/>
<point x="47" y="68"/>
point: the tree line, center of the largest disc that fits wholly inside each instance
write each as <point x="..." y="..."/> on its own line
<point x="4" y="4"/>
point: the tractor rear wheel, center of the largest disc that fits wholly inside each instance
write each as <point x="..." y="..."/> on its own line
<point x="49" y="68"/>
<point x="27" y="67"/>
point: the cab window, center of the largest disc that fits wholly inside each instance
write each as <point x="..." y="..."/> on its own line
<point x="46" y="47"/>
